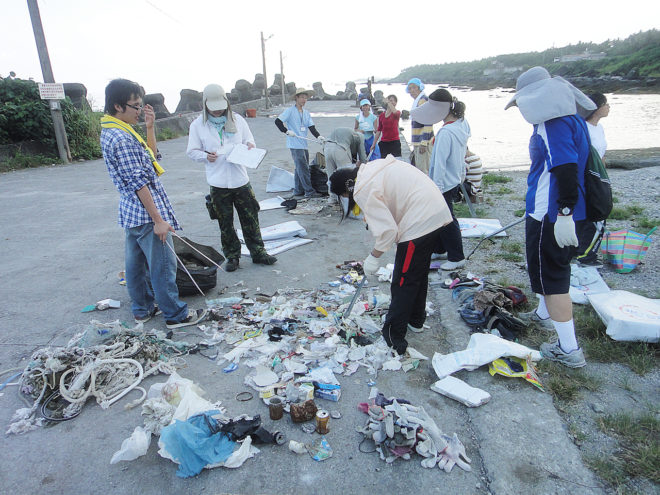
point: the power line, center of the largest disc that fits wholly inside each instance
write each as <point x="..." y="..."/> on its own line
<point x="163" y="12"/>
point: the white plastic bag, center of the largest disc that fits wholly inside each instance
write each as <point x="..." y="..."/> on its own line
<point x="133" y="447"/>
<point x="279" y="180"/>
<point x="585" y="281"/>
<point x="628" y="316"/>
<point x="482" y="349"/>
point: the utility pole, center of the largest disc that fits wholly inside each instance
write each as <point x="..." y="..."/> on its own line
<point x="263" y="57"/>
<point x="47" y="71"/>
<point x="282" y="80"/>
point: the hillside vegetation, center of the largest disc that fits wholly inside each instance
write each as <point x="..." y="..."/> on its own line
<point x="635" y="59"/>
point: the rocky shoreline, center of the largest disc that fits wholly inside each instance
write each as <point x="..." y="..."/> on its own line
<point x="603" y="84"/>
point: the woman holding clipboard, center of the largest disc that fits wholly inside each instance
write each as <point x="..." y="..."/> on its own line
<point x="213" y="135"/>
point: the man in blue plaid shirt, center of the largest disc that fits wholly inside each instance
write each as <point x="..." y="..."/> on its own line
<point x="145" y="211"/>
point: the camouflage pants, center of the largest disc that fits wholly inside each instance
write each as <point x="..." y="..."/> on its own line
<point x="242" y="198"/>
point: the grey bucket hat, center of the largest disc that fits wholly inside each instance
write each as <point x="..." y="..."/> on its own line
<point x="540" y="97"/>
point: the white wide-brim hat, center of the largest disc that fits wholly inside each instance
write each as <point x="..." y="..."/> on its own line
<point x="431" y="112"/>
<point x="540" y="97"/>
<point x="308" y="92"/>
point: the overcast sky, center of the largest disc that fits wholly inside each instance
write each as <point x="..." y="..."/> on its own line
<point x="167" y="45"/>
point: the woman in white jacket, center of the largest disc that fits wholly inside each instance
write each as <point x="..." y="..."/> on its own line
<point x="402" y="206"/>
<point x="212" y="137"/>
<point x="447" y="167"/>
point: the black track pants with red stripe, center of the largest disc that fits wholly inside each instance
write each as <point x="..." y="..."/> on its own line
<point x="410" y="281"/>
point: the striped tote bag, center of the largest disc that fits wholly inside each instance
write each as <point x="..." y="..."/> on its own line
<point x="625" y="249"/>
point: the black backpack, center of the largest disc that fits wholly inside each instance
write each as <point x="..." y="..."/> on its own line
<point x="597" y="188"/>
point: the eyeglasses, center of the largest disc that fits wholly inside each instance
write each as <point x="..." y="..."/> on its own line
<point x="135" y="107"/>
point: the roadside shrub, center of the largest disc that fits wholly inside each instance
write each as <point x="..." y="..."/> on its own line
<point x="21" y="161"/>
<point x="24" y="116"/>
<point x="165" y="134"/>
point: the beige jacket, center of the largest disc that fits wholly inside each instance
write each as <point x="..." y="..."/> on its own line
<point x="400" y="202"/>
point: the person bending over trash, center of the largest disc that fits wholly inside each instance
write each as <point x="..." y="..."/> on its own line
<point x="558" y="149"/>
<point x="343" y="148"/>
<point x="212" y="137"/>
<point x="145" y="211"/>
<point x="298" y="121"/>
<point x="401" y="205"/>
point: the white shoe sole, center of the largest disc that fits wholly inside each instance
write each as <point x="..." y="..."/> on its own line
<point x="452" y="265"/>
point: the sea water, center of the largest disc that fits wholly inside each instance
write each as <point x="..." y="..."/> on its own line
<point x="501" y="137"/>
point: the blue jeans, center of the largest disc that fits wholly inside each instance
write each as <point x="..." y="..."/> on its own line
<point x="151" y="271"/>
<point x="302" y="177"/>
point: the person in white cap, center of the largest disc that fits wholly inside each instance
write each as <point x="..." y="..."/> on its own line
<point x="212" y="137"/>
<point x="421" y="135"/>
<point x="558" y="149"/>
<point x="298" y="121"/>
<point x="367" y="123"/>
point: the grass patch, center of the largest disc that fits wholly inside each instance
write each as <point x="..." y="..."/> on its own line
<point x="578" y="435"/>
<point x="165" y="134"/>
<point x="511" y="257"/>
<point x="625" y="212"/>
<point x="519" y="213"/>
<point x="565" y="383"/>
<point x="640" y="357"/>
<point x="638" y="437"/>
<point x="609" y="468"/>
<point x="646" y="223"/>
<point x="21" y="160"/>
<point x="512" y="246"/>
<point x="489" y="179"/>
<point x="504" y="281"/>
<point x="502" y="190"/>
<point x="615" y="199"/>
<point x="511" y="251"/>
<point x="461" y="210"/>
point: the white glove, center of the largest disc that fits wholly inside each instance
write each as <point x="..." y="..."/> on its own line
<point x="370" y="265"/>
<point x="290" y="133"/>
<point x="454" y="454"/>
<point x="321" y="140"/>
<point x="565" y="231"/>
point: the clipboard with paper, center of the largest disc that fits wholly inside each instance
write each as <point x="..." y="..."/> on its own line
<point x="250" y="158"/>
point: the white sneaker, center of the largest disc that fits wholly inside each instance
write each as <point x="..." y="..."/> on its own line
<point x="194" y="316"/>
<point x="439" y="256"/>
<point x="452" y="265"/>
<point x="415" y="329"/>
<point x="553" y="352"/>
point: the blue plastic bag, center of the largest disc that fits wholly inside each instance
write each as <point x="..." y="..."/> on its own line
<point x="193" y="444"/>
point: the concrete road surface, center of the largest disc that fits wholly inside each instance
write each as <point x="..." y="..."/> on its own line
<point x="62" y="249"/>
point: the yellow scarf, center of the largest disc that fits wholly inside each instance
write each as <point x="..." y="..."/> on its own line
<point x="109" y="122"/>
